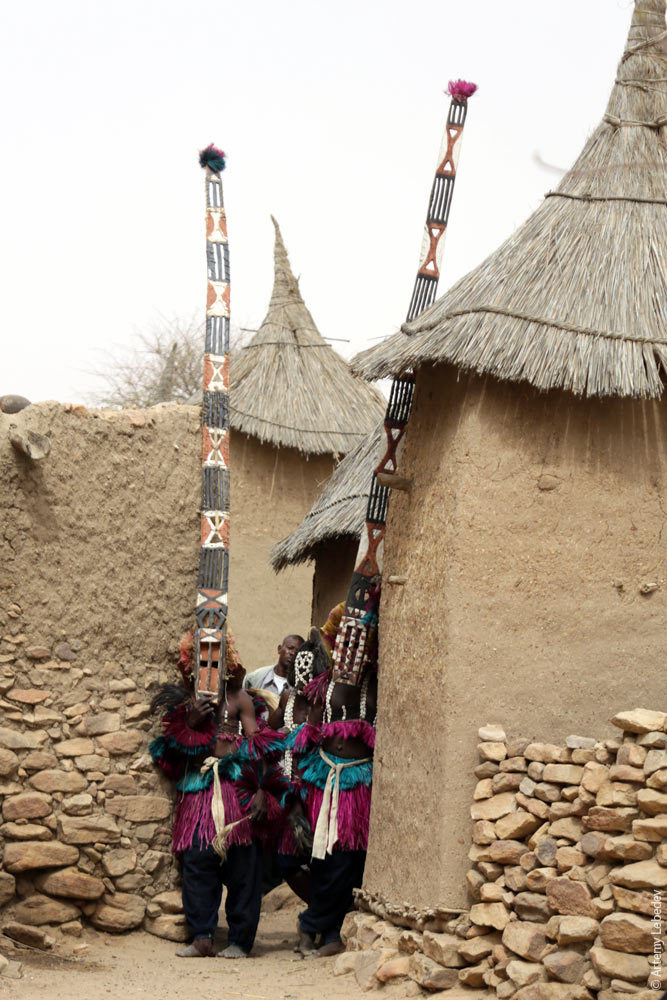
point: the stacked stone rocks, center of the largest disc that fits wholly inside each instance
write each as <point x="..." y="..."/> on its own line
<point x="568" y="884"/>
<point x="85" y="830"/>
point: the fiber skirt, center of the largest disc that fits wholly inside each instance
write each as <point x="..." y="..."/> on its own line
<point x="354" y="799"/>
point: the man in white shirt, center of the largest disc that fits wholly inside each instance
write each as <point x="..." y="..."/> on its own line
<point x="274" y="677"/>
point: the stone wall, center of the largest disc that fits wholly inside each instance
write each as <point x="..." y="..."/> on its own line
<point x="86" y="820"/>
<point x="568" y="883"/>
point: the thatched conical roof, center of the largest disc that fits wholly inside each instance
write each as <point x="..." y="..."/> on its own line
<point x="577" y="297"/>
<point x="340" y="509"/>
<point x="289" y="387"/>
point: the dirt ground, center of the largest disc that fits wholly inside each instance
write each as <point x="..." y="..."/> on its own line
<point x="137" y="966"/>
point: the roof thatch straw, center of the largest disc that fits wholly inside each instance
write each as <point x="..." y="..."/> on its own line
<point x="289" y="387"/>
<point x="341" y="507"/>
<point x="577" y="296"/>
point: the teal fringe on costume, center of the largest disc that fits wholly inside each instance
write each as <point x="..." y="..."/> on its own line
<point x="315" y="771"/>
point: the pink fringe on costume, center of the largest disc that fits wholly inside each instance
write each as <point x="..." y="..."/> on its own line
<point x="176" y="727"/>
<point x="263" y="742"/>
<point x="347" y="729"/>
<point x="316" y="689"/>
<point x="193" y="810"/>
<point x="354" y="810"/>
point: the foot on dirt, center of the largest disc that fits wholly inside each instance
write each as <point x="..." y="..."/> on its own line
<point x="331" y="948"/>
<point x="306" y="944"/>
<point x="232" y="951"/>
<point x="202" y="948"/>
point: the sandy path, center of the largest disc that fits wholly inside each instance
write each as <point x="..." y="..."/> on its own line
<point x="137" y="966"/>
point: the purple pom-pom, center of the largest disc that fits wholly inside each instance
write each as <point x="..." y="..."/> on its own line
<point x="461" y="90"/>
<point x="213" y="158"/>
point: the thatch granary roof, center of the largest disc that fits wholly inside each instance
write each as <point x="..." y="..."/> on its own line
<point x="289" y="387"/>
<point x="341" y="507"/>
<point x="577" y="297"/>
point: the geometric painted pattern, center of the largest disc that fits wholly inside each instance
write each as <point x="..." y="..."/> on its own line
<point x="213" y="577"/>
<point x="349" y="646"/>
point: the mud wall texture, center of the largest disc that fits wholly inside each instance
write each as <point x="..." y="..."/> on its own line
<point x="99" y="547"/>
<point x="334" y="565"/>
<point x="533" y="542"/>
<point x="100" y="541"/>
<point x="567" y="884"/>
<point x="272" y="490"/>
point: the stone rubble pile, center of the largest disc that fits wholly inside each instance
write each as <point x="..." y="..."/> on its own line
<point x="86" y="820"/>
<point x="568" y="883"/>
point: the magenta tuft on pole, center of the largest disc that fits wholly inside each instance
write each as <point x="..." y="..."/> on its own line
<point x="461" y="90"/>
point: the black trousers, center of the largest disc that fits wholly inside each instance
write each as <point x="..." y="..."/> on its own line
<point x="331" y="883"/>
<point x="203" y="878"/>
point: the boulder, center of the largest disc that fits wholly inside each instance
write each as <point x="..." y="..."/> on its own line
<point x="124" y="784"/>
<point x="531" y="906"/>
<point x="563" y="774"/>
<point x="59" y="781"/>
<point x="616" y="793"/>
<point x="495" y="807"/>
<point x="573" y="930"/>
<point x="640" y="720"/>
<point x="619" y="965"/>
<point x="140" y="808"/>
<point x="641" y="875"/>
<point x="429" y="974"/>
<point x="489" y="915"/>
<point x="171" y="901"/>
<point x="491" y="733"/>
<point x="75" y="747"/>
<point x="39" y="760"/>
<point x="525" y="973"/>
<point x="88" y="829"/>
<point x="123" y="742"/>
<point x="443" y="949"/>
<point x="119" y="861"/>
<point x="525" y="938"/>
<point x="653" y="830"/>
<point x="569" y="897"/>
<point x="602" y="818"/>
<point x="37" y="910"/>
<point x="33" y="937"/>
<point x="477" y="948"/>
<point x="11" y="739"/>
<point x="25" y="831"/>
<point x="637" y="902"/>
<point x="652" y="801"/>
<point x="566" y="966"/>
<point x="9" y="762"/>
<point x="627" y="932"/>
<point x="27" y="805"/>
<point x="105" y="722"/>
<point x="31" y="854"/>
<point x="552" y="991"/>
<point x="71" y="883"/>
<point x="171" y="926"/>
<point x="393" y="968"/>
<point x="119" y="912"/>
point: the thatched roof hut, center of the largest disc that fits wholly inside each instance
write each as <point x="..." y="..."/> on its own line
<point x="329" y="533"/>
<point x="576" y="298"/>
<point x="530" y="548"/>
<point x="289" y="388"/>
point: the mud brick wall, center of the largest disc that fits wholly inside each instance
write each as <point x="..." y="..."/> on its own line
<point x="568" y="883"/>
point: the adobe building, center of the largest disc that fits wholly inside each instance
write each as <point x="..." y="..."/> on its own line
<point x="533" y="539"/>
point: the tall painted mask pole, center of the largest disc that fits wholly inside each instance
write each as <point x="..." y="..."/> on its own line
<point x="351" y="649"/>
<point x="212" y="582"/>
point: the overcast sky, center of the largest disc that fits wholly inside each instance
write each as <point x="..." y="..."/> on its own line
<point x="331" y="116"/>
